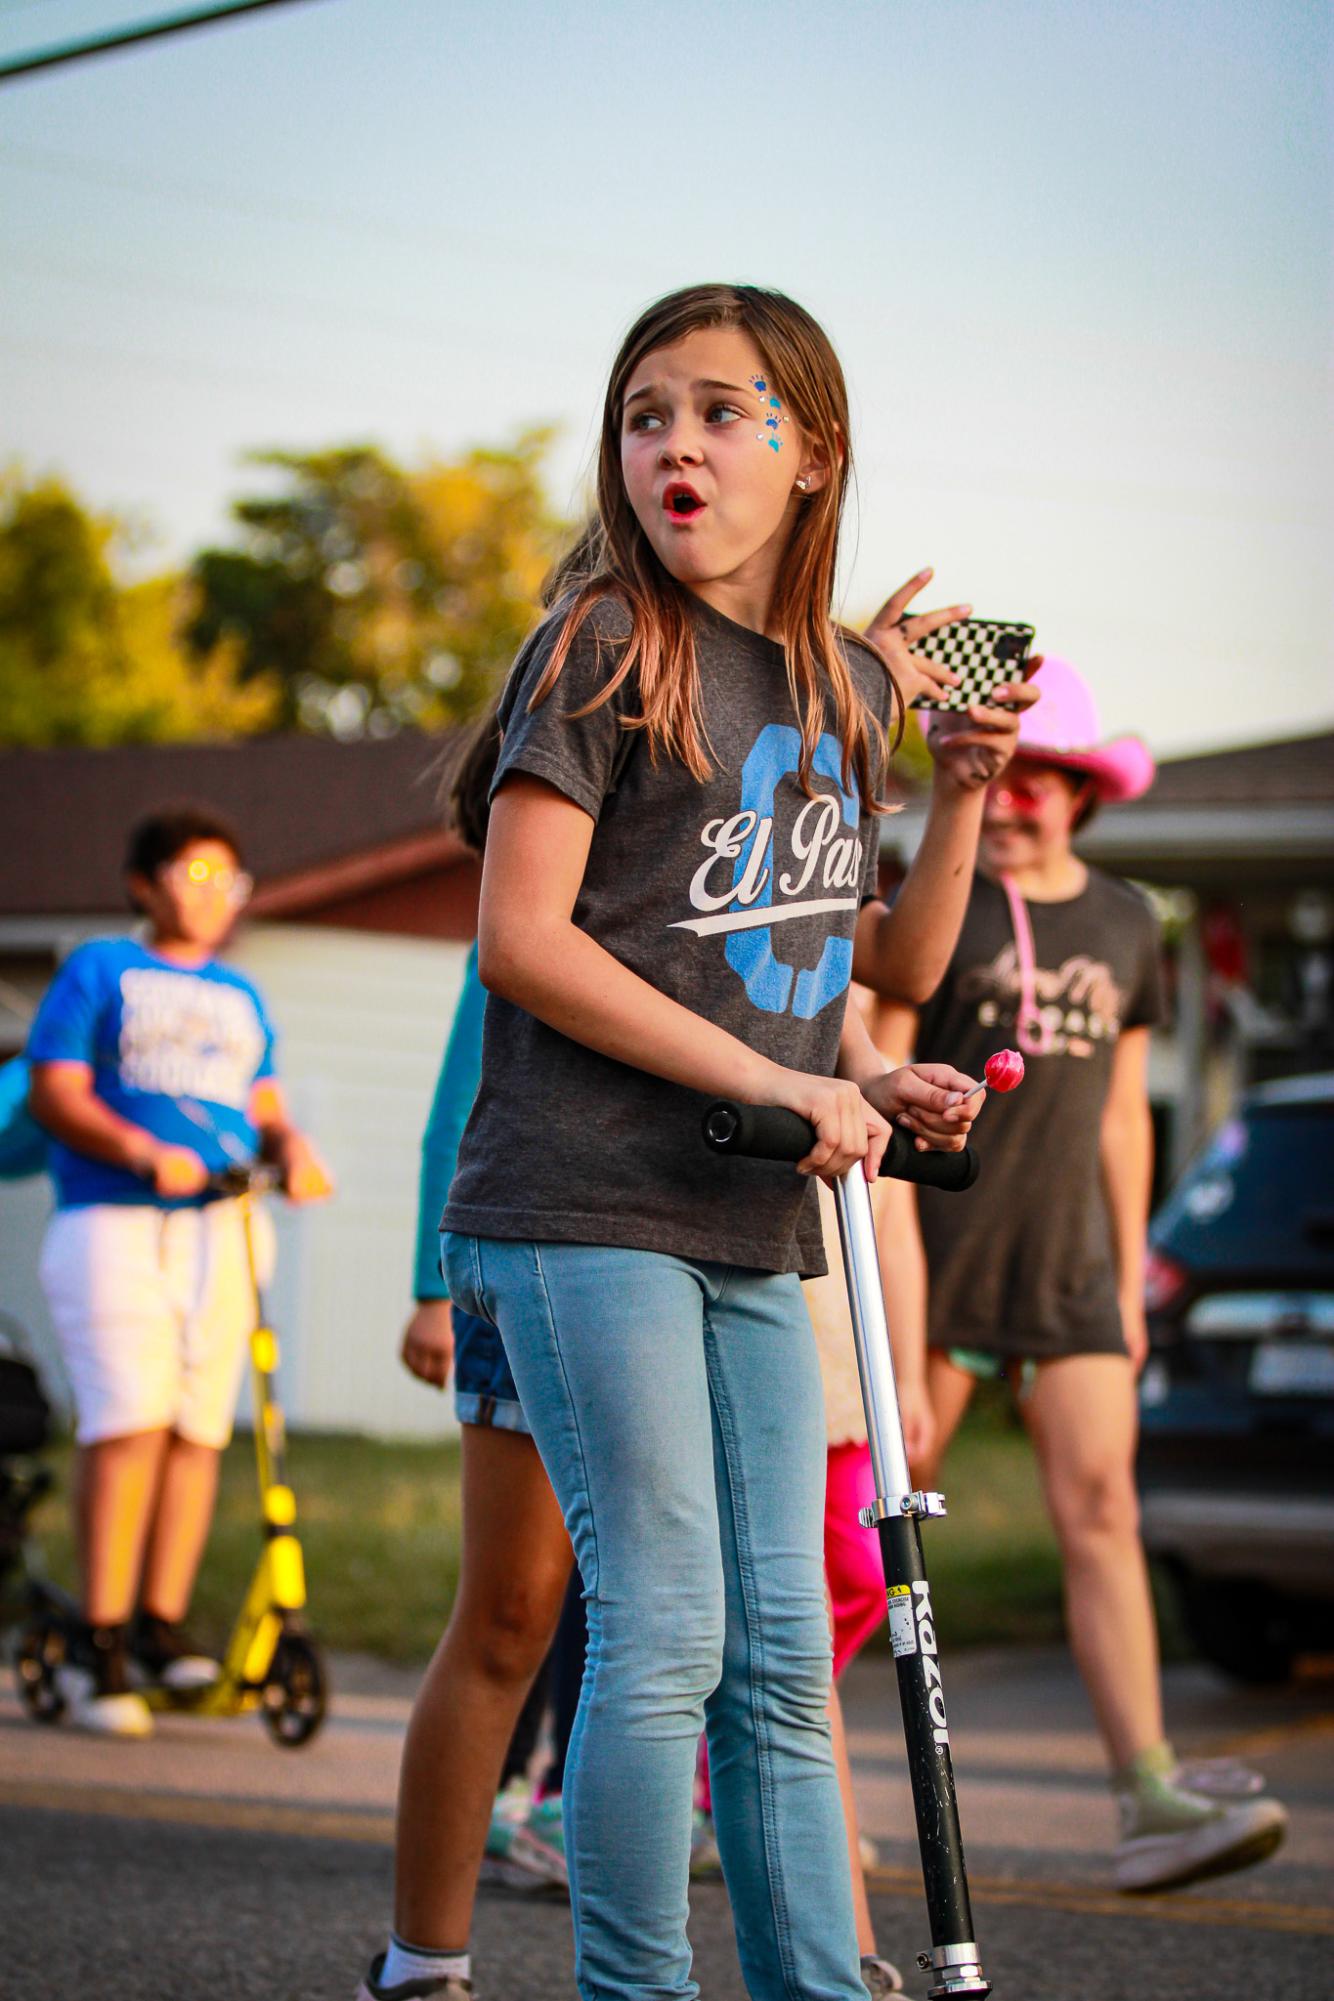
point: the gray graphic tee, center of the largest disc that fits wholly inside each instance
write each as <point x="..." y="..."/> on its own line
<point x="1023" y="1264"/>
<point x="736" y="897"/>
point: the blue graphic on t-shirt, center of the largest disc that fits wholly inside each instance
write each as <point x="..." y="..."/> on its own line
<point x="174" y="1049"/>
<point x="771" y="984"/>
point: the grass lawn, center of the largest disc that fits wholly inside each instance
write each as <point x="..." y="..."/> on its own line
<point x="994" y="1569"/>
<point x="380" y="1526"/>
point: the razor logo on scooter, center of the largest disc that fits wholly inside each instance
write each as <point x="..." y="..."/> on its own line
<point x="912" y="1629"/>
<point x="926" y="1640"/>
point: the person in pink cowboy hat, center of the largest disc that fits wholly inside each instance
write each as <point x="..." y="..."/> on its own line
<point x="1036" y="1277"/>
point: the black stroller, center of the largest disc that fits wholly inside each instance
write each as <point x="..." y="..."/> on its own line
<point x="25" y="1429"/>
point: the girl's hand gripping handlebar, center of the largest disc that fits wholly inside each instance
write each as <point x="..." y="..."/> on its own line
<point x="768" y="1132"/>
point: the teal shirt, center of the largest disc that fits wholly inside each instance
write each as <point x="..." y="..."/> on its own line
<point x="22" y="1141"/>
<point x="456" y="1087"/>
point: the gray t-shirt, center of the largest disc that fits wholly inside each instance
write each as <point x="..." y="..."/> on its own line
<point x="736" y="896"/>
<point x="1022" y="1264"/>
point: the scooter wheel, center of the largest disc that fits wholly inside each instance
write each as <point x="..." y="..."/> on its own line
<point x="296" y="1693"/>
<point x="41" y="1649"/>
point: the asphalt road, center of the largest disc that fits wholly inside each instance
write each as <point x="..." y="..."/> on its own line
<point x="209" y="1865"/>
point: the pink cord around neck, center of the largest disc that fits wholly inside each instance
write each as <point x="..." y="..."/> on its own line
<point x="1030" y="1030"/>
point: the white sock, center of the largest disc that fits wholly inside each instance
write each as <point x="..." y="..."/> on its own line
<point x="416" y="1962"/>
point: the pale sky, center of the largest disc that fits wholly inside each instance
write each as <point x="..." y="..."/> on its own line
<point x="1078" y="260"/>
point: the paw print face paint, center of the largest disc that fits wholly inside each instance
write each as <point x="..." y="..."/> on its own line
<point x="769" y="435"/>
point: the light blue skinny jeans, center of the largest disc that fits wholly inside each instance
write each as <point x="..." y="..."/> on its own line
<point x="678" y="1411"/>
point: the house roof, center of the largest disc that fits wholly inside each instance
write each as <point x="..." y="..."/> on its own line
<point x="1229" y="819"/>
<point x="322" y="819"/>
<point x="317" y="817"/>
<point x="1296" y="770"/>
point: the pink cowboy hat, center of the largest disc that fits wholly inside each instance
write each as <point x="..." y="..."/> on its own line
<point x="1062" y="729"/>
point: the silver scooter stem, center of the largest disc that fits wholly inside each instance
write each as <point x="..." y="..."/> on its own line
<point x="870" y="1333"/>
<point x="896" y="1513"/>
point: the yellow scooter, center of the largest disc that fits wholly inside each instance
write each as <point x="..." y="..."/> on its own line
<point x="271" y="1662"/>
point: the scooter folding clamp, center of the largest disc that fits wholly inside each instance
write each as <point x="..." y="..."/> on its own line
<point x="960" y="1970"/>
<point x="918" y="1503"/>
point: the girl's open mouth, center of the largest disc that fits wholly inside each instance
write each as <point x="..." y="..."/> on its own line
<point x="681" y="501"/>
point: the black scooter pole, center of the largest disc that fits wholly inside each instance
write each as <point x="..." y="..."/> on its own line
<point x="769" y="1133"/>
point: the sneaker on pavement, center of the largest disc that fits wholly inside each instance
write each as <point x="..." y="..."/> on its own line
<point x="525" y="1844"/>
<point x="511" y="1806"/>
<point x="1219" y="1778"/>
<point x="449" y="1989"/>
<point x="1181" y="1837"/>
<point x="545" y="1820"/>
<point x="168" y="1658"/>
<point x="880" y="1978"/>
<point x="96" y="1689"/>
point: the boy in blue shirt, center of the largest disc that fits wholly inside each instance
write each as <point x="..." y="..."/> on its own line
<point x="152" y="1070"/>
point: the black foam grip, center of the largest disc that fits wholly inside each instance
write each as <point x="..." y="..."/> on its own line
<point x="257" y="1177"/>
<point x="768" y="1132"/>
<point x="951" y="1172"/>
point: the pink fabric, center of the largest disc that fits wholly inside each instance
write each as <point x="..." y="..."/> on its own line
<point x="703" y="1789"/>
<point x="853" y="1570"/>
<point x="1063" y="729"/>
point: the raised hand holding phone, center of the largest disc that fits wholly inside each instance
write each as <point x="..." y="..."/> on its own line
<point x="896" y="631"/>
<point x="975" y="744"/>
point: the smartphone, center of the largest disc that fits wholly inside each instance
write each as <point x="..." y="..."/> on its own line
<point x="986" y="652"/>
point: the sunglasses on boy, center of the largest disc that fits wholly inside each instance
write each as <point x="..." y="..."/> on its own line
<point x="231" y="883"/>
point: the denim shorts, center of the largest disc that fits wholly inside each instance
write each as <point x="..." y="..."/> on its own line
<point x="484" y="1391"/>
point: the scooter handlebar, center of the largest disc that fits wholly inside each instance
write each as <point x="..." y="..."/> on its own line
<point x="259" y="1178"/>
<point x="769" y="1132"/>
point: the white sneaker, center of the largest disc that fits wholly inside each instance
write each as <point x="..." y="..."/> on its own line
<point x="525" y="1846"/>
<point x="371" y="1989"/>
<point x="1168" y="1842"/>
<point x="120" y="1713"/>
<point x="880" y="1977"/>
<point x="166" y="1658"/>
<point x="92" y="1681"/>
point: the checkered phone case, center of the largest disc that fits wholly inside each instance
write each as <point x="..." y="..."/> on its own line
<point x="985" y="652"/>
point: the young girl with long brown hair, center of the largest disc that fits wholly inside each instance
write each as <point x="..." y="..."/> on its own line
<point x="680" y="871"/>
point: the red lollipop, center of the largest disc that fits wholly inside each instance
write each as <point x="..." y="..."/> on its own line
<point x="1005" y="1070"/>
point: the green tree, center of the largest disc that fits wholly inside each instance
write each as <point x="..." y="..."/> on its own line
<point x="375" y="596"/>
<point x="86" y="658"/>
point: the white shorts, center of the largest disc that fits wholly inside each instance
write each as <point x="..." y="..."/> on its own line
<point x="153" y="1309"/>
